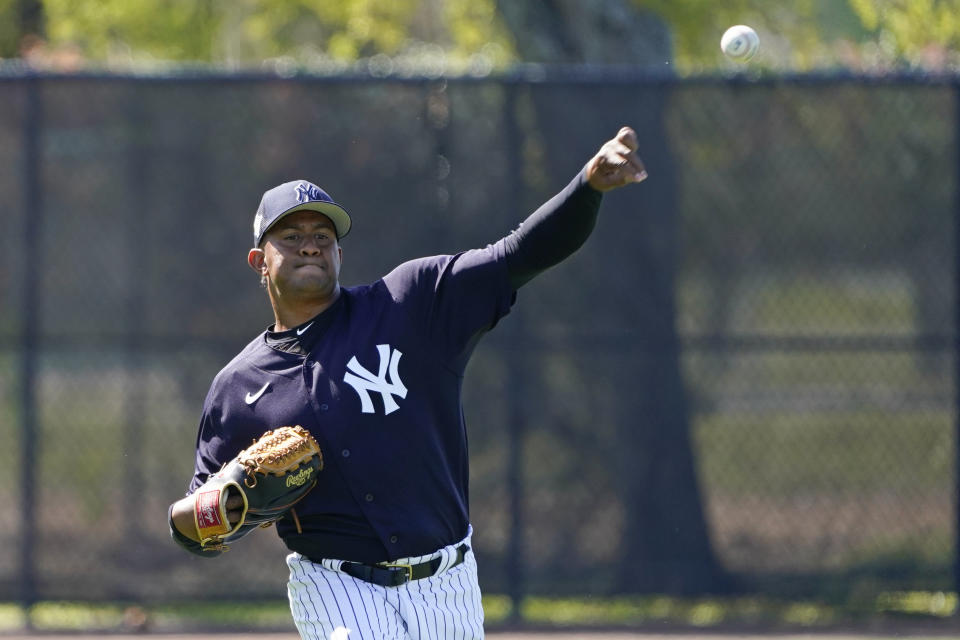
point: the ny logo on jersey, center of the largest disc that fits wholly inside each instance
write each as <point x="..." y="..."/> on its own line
<point x="387" y="381"/>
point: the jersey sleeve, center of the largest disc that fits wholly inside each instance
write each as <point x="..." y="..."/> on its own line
<point x="460" y="297"/>
<point x="213" y="447"/>
<point x="455" y="298"/>
<point x="553" y="232"/>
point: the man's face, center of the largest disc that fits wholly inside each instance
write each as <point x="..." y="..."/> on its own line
<point x="300" y="256"/>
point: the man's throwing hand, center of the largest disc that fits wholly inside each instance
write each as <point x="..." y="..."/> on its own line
<point x="616" y="163"/>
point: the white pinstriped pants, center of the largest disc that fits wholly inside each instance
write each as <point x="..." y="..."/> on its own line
<point x="330" y="605"/>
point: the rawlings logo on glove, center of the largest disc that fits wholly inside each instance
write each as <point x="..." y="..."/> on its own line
<point x="299" y="478"/>
<point x="270" y="476"/>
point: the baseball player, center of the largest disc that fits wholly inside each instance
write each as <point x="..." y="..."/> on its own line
<point x="380" y="547"/>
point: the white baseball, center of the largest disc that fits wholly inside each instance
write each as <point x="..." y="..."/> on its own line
<point x="740" y="42"/>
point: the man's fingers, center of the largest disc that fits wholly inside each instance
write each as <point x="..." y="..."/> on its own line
<point x="620" y="157"/>
<point x="627" y="137"/>
<point x="619" y="149"/>
<point x="234" y="508"/>
<point x="638" y="170"/>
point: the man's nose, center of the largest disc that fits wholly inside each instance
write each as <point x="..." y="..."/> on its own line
<point x="310" y="246"/>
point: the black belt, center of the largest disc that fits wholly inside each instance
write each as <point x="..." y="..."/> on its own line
<point x="394" y="575"/>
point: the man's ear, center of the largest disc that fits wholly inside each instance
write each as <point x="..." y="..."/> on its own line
<point x="257" y="260"/>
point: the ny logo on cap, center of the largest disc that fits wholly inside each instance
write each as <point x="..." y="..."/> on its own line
<point x="307" y="192"/>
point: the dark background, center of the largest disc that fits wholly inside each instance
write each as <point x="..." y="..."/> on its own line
<point x="744" y="382"/>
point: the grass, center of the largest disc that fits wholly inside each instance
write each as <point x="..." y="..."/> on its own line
<point x="82" y="616"/>
<point x="758" y="612"/>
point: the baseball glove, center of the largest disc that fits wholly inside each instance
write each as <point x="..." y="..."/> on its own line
<point x="271" y="475"/>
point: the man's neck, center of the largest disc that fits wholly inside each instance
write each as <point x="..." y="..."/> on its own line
<point x="292" y="313"/>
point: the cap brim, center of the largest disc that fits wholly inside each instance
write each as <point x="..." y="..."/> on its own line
<point x="337" y="214"/>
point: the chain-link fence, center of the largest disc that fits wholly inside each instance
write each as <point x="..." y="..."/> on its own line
<point x="744" y="381"/>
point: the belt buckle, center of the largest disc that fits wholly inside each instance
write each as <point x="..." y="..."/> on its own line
<point x="408" y="567"/>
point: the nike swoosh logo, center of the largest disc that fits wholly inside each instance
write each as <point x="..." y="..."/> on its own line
<point x="253" y="397"/>
<point x="300" y="331"/>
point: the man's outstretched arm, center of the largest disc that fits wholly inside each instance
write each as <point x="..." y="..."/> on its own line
<point x="562" y="224"/>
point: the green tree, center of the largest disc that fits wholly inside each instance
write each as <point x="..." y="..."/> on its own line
<point x="105" y="30"/>
<point x="245" y="33"/>
<point x="912" y="30"/>
<point x="18" y="19"/>
<point x="793" y="35"/>
<point x="465" y="35"/>
<point x="665" y="544"/>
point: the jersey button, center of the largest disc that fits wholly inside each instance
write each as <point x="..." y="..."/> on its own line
<point x="324" y="407"/>
<point x="394" y="539"/>
<point x="345" y="453"/>
<point x="368" y="497"/>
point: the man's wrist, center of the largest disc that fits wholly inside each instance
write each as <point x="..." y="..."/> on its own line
<point x="181" y="517"/>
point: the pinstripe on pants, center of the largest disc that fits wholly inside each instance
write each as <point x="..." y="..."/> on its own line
<point x="325" y="602"/>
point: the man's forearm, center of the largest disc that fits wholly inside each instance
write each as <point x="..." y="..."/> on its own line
<point x="553" y="232"/>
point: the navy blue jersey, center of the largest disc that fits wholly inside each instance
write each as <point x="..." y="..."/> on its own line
<point x="376" y="378"/>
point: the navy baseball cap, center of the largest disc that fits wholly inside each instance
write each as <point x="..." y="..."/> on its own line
<point x="298" y="195"/>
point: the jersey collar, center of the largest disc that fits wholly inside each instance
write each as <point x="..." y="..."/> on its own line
<point x="301" y="339"/>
